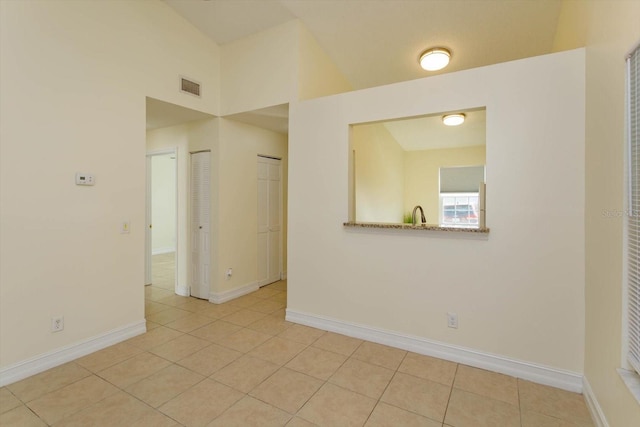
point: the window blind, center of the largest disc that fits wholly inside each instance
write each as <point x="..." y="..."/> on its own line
<point x="633" y="225"/>
<point x="461" y="179"/>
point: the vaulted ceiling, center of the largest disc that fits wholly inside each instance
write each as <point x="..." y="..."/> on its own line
<point x="377" y="42"/>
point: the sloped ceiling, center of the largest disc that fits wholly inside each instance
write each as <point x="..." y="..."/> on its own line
<point x="429" y="133"/>
<point x="377" y="42"/>
<point x="274" y="118"/>
<point x="161" y="114"/>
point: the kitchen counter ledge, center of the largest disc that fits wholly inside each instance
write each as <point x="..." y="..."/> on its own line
<point x="417" y="227"/>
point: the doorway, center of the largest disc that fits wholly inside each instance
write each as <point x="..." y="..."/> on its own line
<point x="162" y="221"/>
<point x="169" y="130"/>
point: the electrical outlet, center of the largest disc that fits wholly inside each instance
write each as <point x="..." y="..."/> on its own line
<point x="452" y="320"/>
<point x="57" y="324"/>
<point x="229" y="273"/>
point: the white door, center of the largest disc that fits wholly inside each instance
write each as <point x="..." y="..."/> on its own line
<point x="269" y="220"/>
<point x="200" y="224"/>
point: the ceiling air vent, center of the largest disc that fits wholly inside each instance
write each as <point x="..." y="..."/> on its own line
<point x="189" y="86"/>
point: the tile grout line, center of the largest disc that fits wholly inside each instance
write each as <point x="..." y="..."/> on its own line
<point x="450" y="393"/>
<point x="315" y="392"/>
<point x="205" y="377"/>
<point x="131" y="395"/>
<point x="24" y="404"/>
<point x="519" y="405"/>
<point x="386" y="387"/>
<point x="248" y="394"/>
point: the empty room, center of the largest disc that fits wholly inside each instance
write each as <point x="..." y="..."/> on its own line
<point x="319" y="212"/>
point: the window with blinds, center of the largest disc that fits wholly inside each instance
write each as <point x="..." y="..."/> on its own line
<point x="459" y="195"/>
<point x="633" y="229"/>
<point x="461" y="179"/>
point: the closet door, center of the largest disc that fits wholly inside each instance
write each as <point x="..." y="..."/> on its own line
<point x="269" y="220"/>
<point x="200" y="224"/>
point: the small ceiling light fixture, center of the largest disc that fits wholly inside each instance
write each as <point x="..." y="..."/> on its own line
<point x="453" y="119"/>
<point x="435" y="59"/>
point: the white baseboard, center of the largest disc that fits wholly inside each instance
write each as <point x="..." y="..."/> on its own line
<point x="183" y="291"/>
<point x="597" y="414"/>
<point x="565" y="380"/>
<point x="220" y="297"/>
<point x="51" y="359"/>
<point x="160" y="251"/>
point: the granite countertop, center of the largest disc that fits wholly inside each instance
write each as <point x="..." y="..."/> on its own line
<point x="418" y="227"/>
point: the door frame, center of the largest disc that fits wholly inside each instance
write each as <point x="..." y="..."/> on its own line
<point x="148" y="215"/>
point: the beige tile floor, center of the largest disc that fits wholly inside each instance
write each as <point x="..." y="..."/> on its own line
<point x="163" y="271"/>
<point x="241" y="364"/>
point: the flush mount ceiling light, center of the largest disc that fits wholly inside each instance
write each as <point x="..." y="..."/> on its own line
<point x="435" y="58"/>
<point x="453" y="119"/>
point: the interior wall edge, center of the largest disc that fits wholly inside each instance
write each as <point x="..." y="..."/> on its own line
<point x="224" y="296"/>
<point x="597" y="414"/>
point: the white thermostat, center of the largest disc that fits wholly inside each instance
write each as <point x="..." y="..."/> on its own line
<point x="85" y="179"/>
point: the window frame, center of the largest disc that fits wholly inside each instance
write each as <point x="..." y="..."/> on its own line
<point x="442" y="196"/>
<point x="631" y="325"/>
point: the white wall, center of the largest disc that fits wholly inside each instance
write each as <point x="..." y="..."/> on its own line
<point x="422" y="175"/>
<point x="275" y="66"/>
<point x="379" y="174"/>
<point x="610" y="30"/>
<point x="240" y="145"/>
<point x="260" y="70"/>
<point x="520" y="293"/>
<point x="73" y="78"/>
<point x="163" y="203"/>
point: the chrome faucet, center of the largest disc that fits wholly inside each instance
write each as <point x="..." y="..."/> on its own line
<point x="413" y="215"/>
